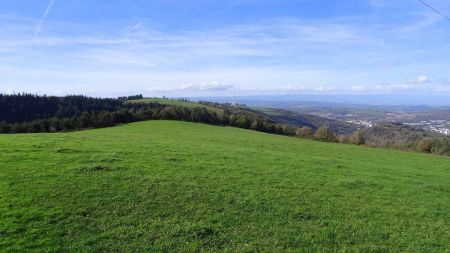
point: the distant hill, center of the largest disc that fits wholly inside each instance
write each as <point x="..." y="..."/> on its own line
<point x="312" y="121"/>
<point x="174" y="102"/>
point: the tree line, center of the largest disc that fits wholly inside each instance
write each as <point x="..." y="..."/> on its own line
<point x="392" y="136"/>
<point x="27" y="107"/>
<point x="26" y="113"/>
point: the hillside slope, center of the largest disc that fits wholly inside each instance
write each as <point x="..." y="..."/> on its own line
<point x="177" y="186"/>
<point x="308" y="120"/>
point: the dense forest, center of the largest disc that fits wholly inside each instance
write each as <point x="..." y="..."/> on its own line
<point x="26" y="107"/>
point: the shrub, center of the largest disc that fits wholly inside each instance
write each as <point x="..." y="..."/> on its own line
<point x="357" y="138"/>
<point x="345" y="139"/>
<point x="325" y="134"/>
<point x="304" y="132"/>
<point x="440" y="146"/>
<point x="424" y="146"/>
<point x="288" y="129"/>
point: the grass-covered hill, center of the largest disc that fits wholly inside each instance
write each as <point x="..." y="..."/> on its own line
<point x="180" y="187"/>
<point x="174" y="102"/>
<point x="272" y="114"/>
<point x="308" y="120"/>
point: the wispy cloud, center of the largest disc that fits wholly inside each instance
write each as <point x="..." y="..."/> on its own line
<point x="42" y="20"/>
<point x="274" y="55"/>
<point x="421" y="83"/>
<point x="420" y="80"/>
<point x="253" y="44"/>
<point x="207" y="87"/>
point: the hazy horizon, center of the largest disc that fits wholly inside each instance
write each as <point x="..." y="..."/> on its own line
<point x="409" y="100"/>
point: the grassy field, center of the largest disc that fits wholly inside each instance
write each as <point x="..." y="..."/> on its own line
<point x="177" y="187"/>
<point x="166" y="101"/>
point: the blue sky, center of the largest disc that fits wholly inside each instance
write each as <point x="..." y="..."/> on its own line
<point x="213" y="48"/>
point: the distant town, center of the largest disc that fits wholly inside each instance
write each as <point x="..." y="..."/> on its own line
<point x="441" y="126"/>
<point x="435" y="119"/>
<point x="438" y="126"/>
<point x="428" y="118"/>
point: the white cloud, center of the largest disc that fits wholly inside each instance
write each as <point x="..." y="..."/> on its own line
<point x="323" y="88"/>
<point x="281" y="89"/>
<point x="420" y="80"/>
<point x="418" y="84"/>
<point x="212" y="86"/>
<point x="358" y="88"/>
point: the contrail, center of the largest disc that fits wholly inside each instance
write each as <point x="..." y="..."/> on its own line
<point x="44" y="16"/>
<point x="434" y="9"/>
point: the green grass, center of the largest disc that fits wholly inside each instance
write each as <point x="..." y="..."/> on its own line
<point x="166" y="101"/>
<point x="182" y="187"/>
